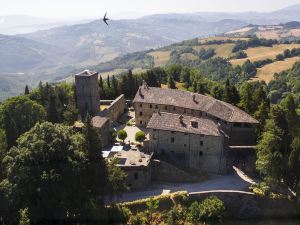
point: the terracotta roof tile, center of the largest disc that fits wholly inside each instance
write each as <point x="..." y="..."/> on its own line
<point x="185" y="99"/>
<point x="172" y="122"/>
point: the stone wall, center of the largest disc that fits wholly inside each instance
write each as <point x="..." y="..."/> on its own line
<point x="87" y="94"/>
<point x="200" y="152"/>
<point x="239" y="205"/>
<point x="242" y="135"/>
<point x="163" y="171"/>
<point x="245" y="205"/>
<point x="138" y="176"/>
<point x="115" y="109"/>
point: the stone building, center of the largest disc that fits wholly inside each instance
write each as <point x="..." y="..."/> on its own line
<point x="87" y="92"/>
<point x="103" y="126"/>
<point x="194" y="130"/>
<point x="193" y="142"/>
<point x="238" y="125"/>
<point x="88" y="100"/>
<point x="137" y="166"/>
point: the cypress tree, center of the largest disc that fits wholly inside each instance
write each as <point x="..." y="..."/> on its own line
<point x="52" y="110"/>
<point x="108" y="82"/>
<point x="26" y="90"/>
<point x="171" y="82"/>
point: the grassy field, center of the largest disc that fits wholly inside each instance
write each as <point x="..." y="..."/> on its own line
<point x="224" y="50"/>
<point x="160" y="57"/>
<point x="204" y="40"/>
<point x="260" y="53"/>
<point x="266" y="73"/>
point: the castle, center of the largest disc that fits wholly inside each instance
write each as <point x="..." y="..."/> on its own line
<point x="186" y="129"/>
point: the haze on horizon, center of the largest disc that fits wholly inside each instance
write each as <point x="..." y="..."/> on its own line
<point x="121" y="9"/>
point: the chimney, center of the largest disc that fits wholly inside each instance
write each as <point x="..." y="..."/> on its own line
<point x="145" y="85"/>
<point x="181" y="119"/>
<point x="140" y="92"/>
<point x="194" y="98"/>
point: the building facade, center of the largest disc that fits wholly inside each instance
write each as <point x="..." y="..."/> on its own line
<point x="87" y="93"/>
<point x="187" y="141"/>
<point x="238" y="125"/>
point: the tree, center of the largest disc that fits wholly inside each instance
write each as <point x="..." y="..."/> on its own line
<point x="171" y="82"/>
<point x="46" y="173"/>
<point x="246" y="97"/>
<point x="26" y="90"/>
<point x="18" y="115"/>
<point x="101" y="88"/>
<point x="108" y="82"/>
<point x="117" y="178"/>
<point x="279" y="57"/>
<point x="95" y="167"/>
<point x="122" y="135"/>
<point x="140" y="136"/>
<point x="231" y="94"/>
<point x="115" y="87"/>
<point x="24" y="217"/>
<point x="52" y="113"/>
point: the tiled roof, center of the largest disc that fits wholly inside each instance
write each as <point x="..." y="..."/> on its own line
<point x="99" y="121"/>
<point x="86" y="73"/>
<point x="185" y="99"/>
<point x="173" y="122"/>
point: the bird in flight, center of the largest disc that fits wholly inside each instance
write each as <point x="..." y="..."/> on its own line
<point x="105" y="19"/>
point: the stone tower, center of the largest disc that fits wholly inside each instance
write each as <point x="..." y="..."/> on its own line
<point x="87" y="93"/>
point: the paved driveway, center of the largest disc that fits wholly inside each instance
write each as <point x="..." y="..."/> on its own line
<point x="131" y="131"/>
<point x="215" y="182"/>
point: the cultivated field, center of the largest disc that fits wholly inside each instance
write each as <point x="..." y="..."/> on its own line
<point x="223" y="50"/>
<point x="160" y="57"/>
<point x="267" y="72"/>
<point x="260" y="53"/>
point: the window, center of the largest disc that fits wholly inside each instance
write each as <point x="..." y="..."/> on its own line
<point x="154" y="136"/>
<point x="174" y="108"/>
<point x="141" y="113"/>
<point x="172" y="140"/>
<point x="166" y="107"/>
<point x="141" y="122"/>
<point x="194" y="124"/>
<point x="200" y="153"/>
<point x="136" y="176"/>
<point x="237" y="124"/>
<point x="150" y="106"/>
<point x="156" y="107"/>
<point x="201" y="143"/>
<point x="141" y="105"/>
<point x="184" y="110"/>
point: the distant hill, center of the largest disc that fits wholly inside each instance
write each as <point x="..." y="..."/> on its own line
<point x="283" y="31"/>
<point x="54" y="54"/>
<point x="20" y="24"/>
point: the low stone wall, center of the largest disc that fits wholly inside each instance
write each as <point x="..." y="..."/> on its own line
<point x="115" y="109"/>
<point x="246" y="205"/>
<point x="239" y="205"/>
<point x="163" y="171"/>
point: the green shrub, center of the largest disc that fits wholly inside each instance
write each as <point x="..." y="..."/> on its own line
<point x="210" y="210"/>
<point x="140" y="136"/>
<point x="122" y="135"/>
<point x="176" y="216"/>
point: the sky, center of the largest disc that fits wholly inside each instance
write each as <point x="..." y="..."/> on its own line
<point x="122" y="8"/>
